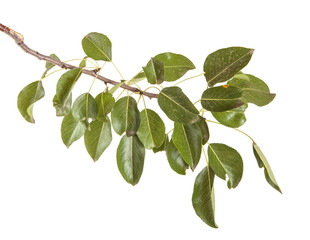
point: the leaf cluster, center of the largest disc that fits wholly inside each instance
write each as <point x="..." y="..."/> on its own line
<point x="96" y="117"/>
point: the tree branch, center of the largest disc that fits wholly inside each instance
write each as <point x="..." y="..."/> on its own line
<point x="20" y="42"/>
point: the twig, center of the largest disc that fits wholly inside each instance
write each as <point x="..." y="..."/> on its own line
<point x="20" y="42"/>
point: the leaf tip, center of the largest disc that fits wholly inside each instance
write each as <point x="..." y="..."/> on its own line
<point x="252" y="51"/>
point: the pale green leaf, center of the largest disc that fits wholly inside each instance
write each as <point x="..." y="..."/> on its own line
<point x="60" y="109"/>
<point x="137" y="78"/>
<point x="71" y="130"/>
<point x="48" y="65"/>
<point x="262" y="162"/>
<point x="105" y="102"/>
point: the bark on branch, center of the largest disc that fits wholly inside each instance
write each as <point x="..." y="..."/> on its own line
<point x="20" y="42"/>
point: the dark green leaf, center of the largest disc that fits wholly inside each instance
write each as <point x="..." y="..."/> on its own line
<point x="27" y="97"/>
<point x="71" y="130"/>
<point x="48" y="65"/>
<point x="98" y="138"/>
<point x="85" y="108"/>
<point x="175" y="159"/>
<point x="154" y="71"/>
<point x="177" y="106"/>
<point x="203" y="196"/>
<point x="226" y="160"/>
<point x="125" y="116"/>
<point x="97" y="46"/>
<point x="130" y="158"/>
<point x="65" y="85"/>
<point x="223" y="64"/>
<point x="137" y="78"/>
<point x="152" y="129"/>
<point x="188" y="140"/>
<point x="233" y="118"/>
<point x="105" y="102"/>
<point x="175" y="65"/>
<point x="254" y="89"/>
<point x="202" y="124"/>
<point x="60" y="109"/>
<point x="262" y="162"/>
<point x="163" y="146"/>
<point x="222" y="98"/>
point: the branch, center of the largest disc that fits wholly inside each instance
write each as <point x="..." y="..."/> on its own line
<point x="19" y="39"/>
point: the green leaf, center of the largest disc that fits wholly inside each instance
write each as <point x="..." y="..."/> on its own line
<point x="98" y="138"/>
<point x="163" y="146"/>
<point x="137" y="78"/>
<point x="188" y="140"/>
<point x="226" y="160"/>
<point x="125" y="116"/>
<point x="154" y="71"/>
<point x="222" y="98"/>
<point x="152" y="129"/>
<point x="97" y="46"/>
<point x="83" y="63"/>
<point x="115" y="87"/>
<point x="175" y="159"/>
<point x="65" y="86"/>
<point x="203" y="196"/>
<point x="175" y="65"/>
<point x="105" y="102"/>
<point x="223" y="64"/>
<point x="71" y="130"/>
<point x="177" y="106"/>
<point x="254" y="89"/>
<point x="130" y="158"/>
<point x="233" y="118"/>
<point x="27" y="97"/>
<point x="60" y="109"/>
<point x="262" y="162"/>
<point x="48" y="65"/>
<point x="84" y="108"/>
<point x="202" y="124"/>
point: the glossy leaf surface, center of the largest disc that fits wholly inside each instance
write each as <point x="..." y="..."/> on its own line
<point x="130" y="158"/>
<point x="98" y="138"/>
<point x="226" y="160"/>
<point x="175" y="65"/>
<point x="105" y="102"/>
<point x="202" y="124"/>
<point x="125" y="116"/>
<point x="65" y="86"/>
<point x="254" y="89"/>
<point x="262" y="162"/>
<point x="60" y="109"/>
<point x="203" y="196"/>
<point x="175" y="159"/>
<point x="233" y="118"/>
<point x="85" y="108"/>
<point x="177" y="106"/>
<point x="152" y="129"/>
<point x="27" y="97"/>
<point x="222" y="98"/>
<point x="71" y="130"/>
<point x="97" y="46"/>
<point x="154" y="71"/>
<point x="188" y="140"/>
<point x="223" y="64"/>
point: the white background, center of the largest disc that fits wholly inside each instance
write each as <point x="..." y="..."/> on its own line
<point x="50" y="192"/>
